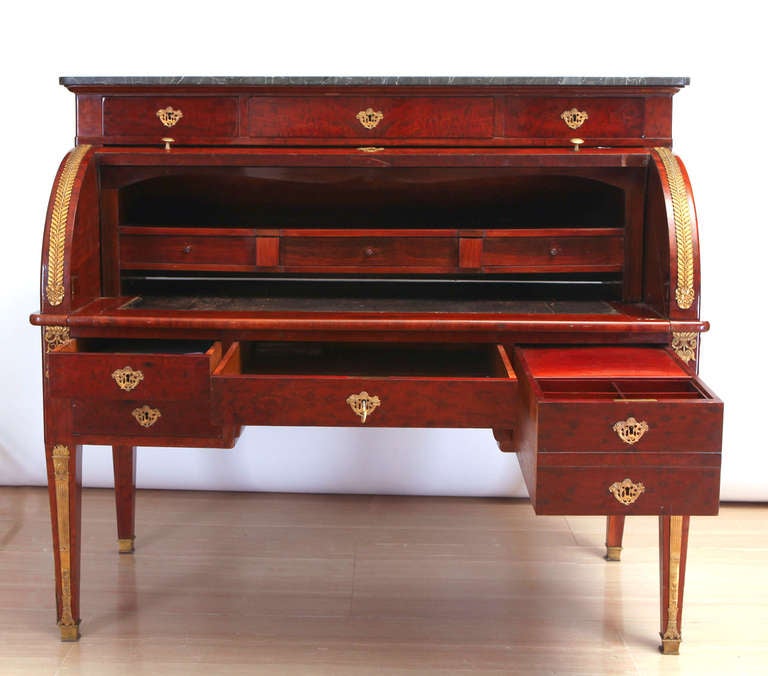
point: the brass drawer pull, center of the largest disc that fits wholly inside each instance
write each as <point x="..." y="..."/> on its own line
<point x="574" y="117"/>
<point x="146" y="416"/>
<point x="127" y="379"/>
<point x="363" y="404"/>
<point x="369" y="117"/>
<point x="630" y="431"/>
<point x="626" y="492"/>
<point x="168" y="116"/>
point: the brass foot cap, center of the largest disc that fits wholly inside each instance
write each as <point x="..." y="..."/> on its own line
<point x="613" y="553"/>
<point x="69" y="632"/>
<point x="670" y="646"/>
<point x="125" y="545"/>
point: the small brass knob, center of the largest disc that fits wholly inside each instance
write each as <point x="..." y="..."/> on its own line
<point x="187" y="248"/>
<point x="576" y="143"/>
<point x="168" y="140"/>
<point x="369" y="251"/>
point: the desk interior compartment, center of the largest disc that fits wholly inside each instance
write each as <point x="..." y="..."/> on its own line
<point x="415" y="385"/>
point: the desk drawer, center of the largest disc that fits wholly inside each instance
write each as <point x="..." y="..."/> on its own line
<point x="613" y="411"/>
<point x="657" y="488"/>
<point x="319" y="384"/>
<point x="606" y="118"/>
<point x="344" y="252"/>
<point x="144" y="419"/>
<point x="370" y="117"/>
<point x="125" y="370"/>
<point x="202" y="117"/>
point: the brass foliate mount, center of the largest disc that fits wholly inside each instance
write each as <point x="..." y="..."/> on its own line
<point x="60" y="213"/>
<point x="369" y="117"/>
<point x="627" y="491"/>
<point x="168" y="116"/>
<point x="685" y="294"/>
<point x="363" y="404"/>
<point x="684" y="345"/>
<point x="146" y="416"/>
<point x="127" y="379"/>
<point x="630" y="431"/>
<point x="55" y="336"/>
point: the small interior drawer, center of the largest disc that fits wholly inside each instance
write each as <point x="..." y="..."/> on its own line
<point x="662" y="407"/>
<point x="132" y="369"/>
<point x="323" y="384"/>
<point x="342" y="251"/>
<point x="220" y="249"/>
<point x="554" y="250"/>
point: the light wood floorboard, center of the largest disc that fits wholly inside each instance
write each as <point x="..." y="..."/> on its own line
<point x="232" y="583"/>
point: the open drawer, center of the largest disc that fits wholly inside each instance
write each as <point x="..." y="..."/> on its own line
<point x="138" y="392"/>
<point x="614" y="430"/>
<point x="377" y="385"/>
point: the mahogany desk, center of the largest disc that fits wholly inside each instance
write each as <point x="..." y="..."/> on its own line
<point x="518" y="254"/>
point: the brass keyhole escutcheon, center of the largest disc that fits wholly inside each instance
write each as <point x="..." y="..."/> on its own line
<point x="627" y="491"/>
<point x="630" y="431"/>
<point x="146" y="416"/>
<point x="369" y="117"/>
<point x="363" y="404"/>
<point x="168" y="116"/>
<point x="127" y="379"/>
<point x="574" y="117"/>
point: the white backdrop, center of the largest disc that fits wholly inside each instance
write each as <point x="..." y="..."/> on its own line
<point x="718" y="126"/>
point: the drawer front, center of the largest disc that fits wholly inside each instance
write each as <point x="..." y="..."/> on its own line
<point x="339" y="252"/>
<point x="402" y="402"/>
<point x="603" y="253"/>
<point x="187" y="252"/>
<point x="608" y="426"/>
<point x="389" y="117"/>
<point x="664" y="490"/>
<point x="201" y="117"/>
<point x="123" y="376"/>
<point x="143" y="418"/>
<point x="606" y="118"/>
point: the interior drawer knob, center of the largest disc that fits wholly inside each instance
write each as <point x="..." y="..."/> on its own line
<point x="369" y="251"/>
<point x="127" y="379"/>
<point x="146" y="416"/>
<point x="363" y="404"/>
<point x="630" y="431"/>
<point x="627" y="491"/>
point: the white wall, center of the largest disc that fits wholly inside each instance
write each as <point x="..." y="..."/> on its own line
<point x="719" y="122"/>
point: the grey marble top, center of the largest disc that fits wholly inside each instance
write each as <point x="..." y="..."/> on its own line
<point x="289" y="80"/>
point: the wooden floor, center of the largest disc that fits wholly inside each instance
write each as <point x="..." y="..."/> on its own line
<point x="232" y="583"/>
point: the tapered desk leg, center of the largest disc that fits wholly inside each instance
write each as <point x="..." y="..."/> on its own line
<point x="124" y="462"/>
<point x="64" y="462"/>
<point x="614" y="534"/>
<point x="673" y="547"/>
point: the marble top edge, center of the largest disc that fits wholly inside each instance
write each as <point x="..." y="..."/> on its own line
<point x="289" y="80"/>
